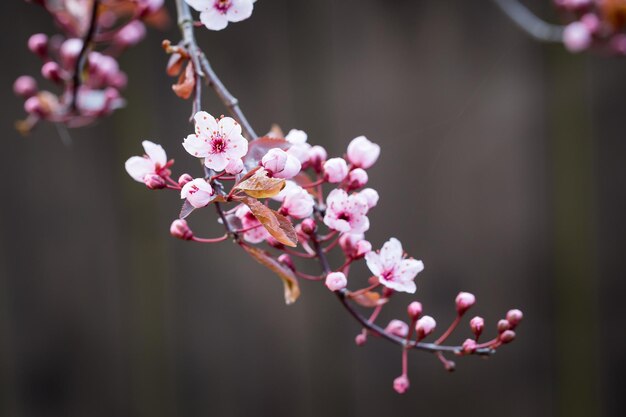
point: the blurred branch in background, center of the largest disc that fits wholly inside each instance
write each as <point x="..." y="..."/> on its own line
<point x="529" y="22"/>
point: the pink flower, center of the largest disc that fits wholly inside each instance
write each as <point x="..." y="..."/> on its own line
<point x="298" y="203"/>
<point x="299" y="149"/>
<point x="357" y="178"/>
<point x="181" y="230"/>
<point x="577" y="37"/>
<point x="153" y="162"/>
<point x="354" y="245"/>
<point x="336" y="281"/>
<point x="215" y="14"/>
<point x="392" y="270"/>
<point x="25" y="86"/>
<point x="256" y="232"/>
<point x="198" y="192"/>
<point x="401" y="384"/>
<point x="280" y="164"/>
<point x="414" y="309"/>
<point x="217" y="141"/>
<point x="477" y="324"/>
<point x="317" y="156"/>
<point x="362" y="153"/>
<point x="514" y="316"/>
<point x="346" y="214"/>
<point x="234" y="167"/>
<point x="335" y="170"/>
<point x="425" y="326"/>
<point x="398" y="328"/>
<point x="464" y="301"/>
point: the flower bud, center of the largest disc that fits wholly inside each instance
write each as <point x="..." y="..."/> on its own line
<point x="414" y="309"/>
<point x="286" y="260"/>
<point x="33" y="105"/>
<point x="357" y="178"/>
<point x="503" y="325"/>
<point x="335" y="170"/>
<point x="38" y="44"/>
<point x="507" y="336"/>
<point x="360" y="339"/>
<point x="280" y="164"/>
<point x="401" y="384"/>
<point x="464" y="301"/>
<point x="25" y="86"/>
<point x="69" y="51"/>
<point x="397" y="328"/>
<point x="577" y="37"/>
<point x="469" y="346"/>
<point x="370" y="195"/>
<point x="154" y="182"/>
<point x="198" y="192"/>
<point x="234" y="167"/>
<point x="130" y="35"/>
<point x="354" y="245"/>
<point x="308" y="226"/>
<point x="425" y="326"/>
<point x="514" y="317"/>
<point x="362" y="153"/>
<point x="51" y="71"/>
<point x="317" y="157"/>
<point x="363" y="247"/>
<point x="181" y="230"/>
<point x="477" y="324"/>
<point x="184" y="179"/>
<point x="336" y="281"/>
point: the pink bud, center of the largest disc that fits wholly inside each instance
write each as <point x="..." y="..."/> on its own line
<point x="335" y="170"/>
<point x="33" y="106"/>
<point x="363" y="247"/>
<point x="25" y="86"/>
<point x="336" y="281"/>
<point x="286" y="260"/>
<point x="477" y="324"/>
<point x="507" y="336"/>
<point x="425" y="326"/>
<point x="362" y="153"/>
<point x="401" y="384"/>
<point x="514" y="317"/>
<point x="184" y="179"/>
<point x="370" y="195"/>
<point x="280" y="164"/>
<point x="503" y="325"/>
<point x="131" y="34"/>
<point x="360" y="339"/>
<point x="154" y="182"/>
<point x="181" y="230"/>
<point x="414" y="309"/>
<point x="577" y="37"/>
<point x="198" y="192"/>
<point x="354" y="246"/>
<point x="464" y="301"/>
<point x="38" y="44"/>
<point x="308" y="226"/>
<point x="469" y="346"/>
<point x="357" y="178"/>
<point x="591" y="21"/>
<point x="234" y="167"/>
<point x="51" y="71"/>
<point x="397" y="328"/>
<point x="69" y="51"/>
<point x="317" y="157"/>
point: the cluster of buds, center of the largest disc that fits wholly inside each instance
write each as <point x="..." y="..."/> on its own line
<point x="287" y="204"/>
<point x="597" y="24"/>
<point x="88" y="81"/>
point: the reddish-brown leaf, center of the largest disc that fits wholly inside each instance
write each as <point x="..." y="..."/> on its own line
<point x="292" y="290"/>
<point x="366" y="299"/>
<point x="186" y="82"/>
<point x="257" y="149"/>
<point x="276" y="224"/>
<point x="259" y="185"/>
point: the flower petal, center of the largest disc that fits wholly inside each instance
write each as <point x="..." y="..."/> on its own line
<point x="205" y="123"/>
<point x="216" y="161"/>
<point x="391" y="253"/>
<point x="373" y="263"/>
<point x="155" y="152"/>
<point x="213" y="19"/>
<point x="138" y="167"/>
<point x="239" y="10"/>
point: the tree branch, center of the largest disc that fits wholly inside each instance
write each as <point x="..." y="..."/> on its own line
<point x="529" y="22"/>
<point x="82" y="56"/>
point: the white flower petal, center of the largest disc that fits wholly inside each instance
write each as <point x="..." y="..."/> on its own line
<point x="217" y="161"/>
<point x="196" y="146"/>
<point x="391" y="253"/>
<point x="239" y="10"/>
<point x="205" y="123"/>
<point x="408" y="269"/>
<point x="155" y="152"/>
<point x="138" y="167"/>
<point x="373" y="263"/>
<point x="213" y="19"/>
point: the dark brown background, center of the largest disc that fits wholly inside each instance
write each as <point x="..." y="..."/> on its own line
<point x="502" y="168"/>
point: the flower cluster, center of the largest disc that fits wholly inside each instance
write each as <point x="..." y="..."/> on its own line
<point x="215" y="14"/>
<point x="89" y="81"/>
<point x="597" y="24"/>
<point x="287" y="204"/>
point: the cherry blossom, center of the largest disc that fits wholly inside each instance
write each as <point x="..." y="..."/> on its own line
<point x="198" y="192"/>
<point x="218" y="141"/>
<point x="392" y="270"/>
<point x="398" y="328"/>
<point x="215" y="14"/>
<point x="280" y="164"/>
<point x="335" y="170"/>
<point x="425" y="326"/>
<point x="299" y="147"/>
<point x="577" y="37"/>
<point x="255" y="232"/>
<point x="298" y="203"/>
<point x="153" y="162"/>
<point x="362" y="153"/>
<point x="370" y="195"/>
<point x="336" y="281"/>
<point x="346" y="213"/>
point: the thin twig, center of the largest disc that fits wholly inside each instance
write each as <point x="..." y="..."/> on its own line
<point x="529" y="22"/>
<point x="82" y="56"/>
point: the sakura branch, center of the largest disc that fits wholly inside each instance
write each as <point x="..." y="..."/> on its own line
<point x="598" y="25"/>
<point x="290" y="207"/>
<point x="81" y="62"/>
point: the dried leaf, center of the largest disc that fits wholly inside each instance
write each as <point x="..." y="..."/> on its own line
<point x="186" y="82"/>
<point x="259" y="147"/>
<point x="292" y="290"/>
<point x="276" y="224"/>
<point x="259" y="185"/>
<point x="366" y="299"/>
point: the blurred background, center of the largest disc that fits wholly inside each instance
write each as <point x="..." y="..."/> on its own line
<point x="502" y="167"/>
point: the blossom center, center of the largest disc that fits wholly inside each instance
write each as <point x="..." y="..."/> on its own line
<point x="218" y="144"/>
<point x="222" y="6"/>
<point x="344" y="216"/>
